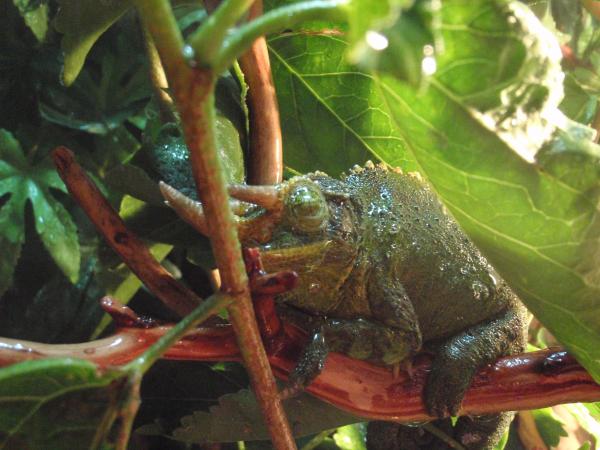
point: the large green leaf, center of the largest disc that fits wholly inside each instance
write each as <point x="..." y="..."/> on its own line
<point x="58" y="404"/>
<point x="472" y="132"/>
<point x="82" y="22"/>
<point x="19" y="182"/>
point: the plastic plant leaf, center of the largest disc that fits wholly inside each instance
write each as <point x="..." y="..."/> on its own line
<point x="238" y="418"/>
<point x="537" y="223"/>
<point x="82" y="22"/>
<point x="106" y="94"/>
<point x="35" y="15"/>
<point x="21" y="182"/>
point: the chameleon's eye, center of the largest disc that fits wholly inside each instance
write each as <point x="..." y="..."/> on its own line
<point x="306" y="208"/>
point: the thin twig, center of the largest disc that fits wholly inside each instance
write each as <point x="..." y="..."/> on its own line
<point x="265" y="161"/>
<point x="133" y="252"/>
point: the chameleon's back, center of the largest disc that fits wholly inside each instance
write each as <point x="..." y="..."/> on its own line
<point x="406" y="230"/>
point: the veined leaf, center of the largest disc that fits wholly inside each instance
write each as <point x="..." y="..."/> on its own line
<point x="237" y="417"/>
<point x="538" y="227"/>
<point x="20" y="182"/>
<point x="58" y="404"/>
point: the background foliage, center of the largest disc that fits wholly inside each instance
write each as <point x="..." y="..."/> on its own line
<point x="512" y="158"/>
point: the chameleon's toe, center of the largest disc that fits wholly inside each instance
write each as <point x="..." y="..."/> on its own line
<point x="446" y="386"/>
<point x="309" y="366"/>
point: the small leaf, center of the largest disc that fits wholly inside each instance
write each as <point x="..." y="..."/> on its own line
<point x="351" y="437"/>
<point x="57" y="230"/>
<point x="35" y="14"/>
<point x="21" y="181"/>
<point x="57" y="404"/>
<point x="82" y="22"/>
<point x="237" y="417"/>
<point x="550" y="428"/>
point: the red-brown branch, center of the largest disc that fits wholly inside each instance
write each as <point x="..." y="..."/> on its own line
<point x="133" y="251"/>
<point x="265" y="164"/>
<point x="520" y="382"/>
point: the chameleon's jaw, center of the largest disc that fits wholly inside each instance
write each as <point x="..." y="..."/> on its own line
<point x="258" y="228"/>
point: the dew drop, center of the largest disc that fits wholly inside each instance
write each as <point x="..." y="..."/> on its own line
<point x="189" y="55"/>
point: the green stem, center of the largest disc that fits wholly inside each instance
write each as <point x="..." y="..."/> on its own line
<point x="274" y="21"/>
<point x="208" y="39"/>
<point x="210" y="306"/>
<point x="318" y="439"/>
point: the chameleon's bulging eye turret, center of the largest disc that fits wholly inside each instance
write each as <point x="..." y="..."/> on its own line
<point x="306" y="209"/>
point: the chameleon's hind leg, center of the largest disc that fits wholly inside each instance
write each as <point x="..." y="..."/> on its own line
<point x="471" y="433"/>
<point x="482" y="432"/>
<point x="459" y="357"/>
<point x="395" y="436"/>
<point x="456" y="361"/>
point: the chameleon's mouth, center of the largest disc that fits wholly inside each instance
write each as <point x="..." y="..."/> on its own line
<point x="253" y="225"/>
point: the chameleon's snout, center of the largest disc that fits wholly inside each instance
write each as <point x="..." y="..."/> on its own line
<point x="256" y="227"/>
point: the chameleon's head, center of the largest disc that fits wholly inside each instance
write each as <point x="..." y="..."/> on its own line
<point x="306" y="224"/>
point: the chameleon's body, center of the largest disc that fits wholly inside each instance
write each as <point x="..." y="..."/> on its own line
<point x="385" y="272"/>
<point x="388" y="272"/>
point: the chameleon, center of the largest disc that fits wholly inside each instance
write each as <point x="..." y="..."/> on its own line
<point x="385" y="272"/>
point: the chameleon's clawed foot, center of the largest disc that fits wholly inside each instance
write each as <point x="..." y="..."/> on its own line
<point x="290" y="391"/>
<point x="405" y="366"/>
<point x="309" y="366"/>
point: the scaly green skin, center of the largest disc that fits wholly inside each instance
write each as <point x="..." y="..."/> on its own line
<point x="385" y="272"/>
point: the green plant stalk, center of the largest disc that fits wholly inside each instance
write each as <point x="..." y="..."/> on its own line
<point x="128" y="411"/>
<point x="274" y="21"/>
<point x="208" y="38"/>
<point x="207" y="308"/>
<point x="193" y="91"/>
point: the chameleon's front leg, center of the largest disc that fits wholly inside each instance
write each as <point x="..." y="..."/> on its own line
<point x="392" y="335"/>
<point x="357" y="338"/>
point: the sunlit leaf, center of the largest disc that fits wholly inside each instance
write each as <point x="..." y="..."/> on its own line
<point x="538" y="227"/>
